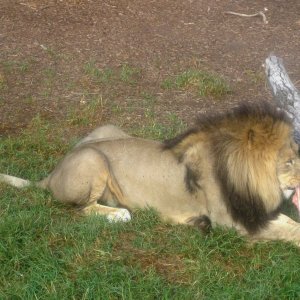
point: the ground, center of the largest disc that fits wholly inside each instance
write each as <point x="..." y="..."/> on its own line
<point x="57" y="56"/>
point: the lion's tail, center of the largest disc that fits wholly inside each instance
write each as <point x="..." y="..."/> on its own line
<point x="22" y="183"/>
<point x="14" y="181"/>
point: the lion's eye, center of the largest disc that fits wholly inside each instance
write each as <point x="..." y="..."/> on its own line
<point x="290" y="162"/>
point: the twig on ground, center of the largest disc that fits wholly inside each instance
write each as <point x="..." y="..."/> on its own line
<point x="260" y="13"/>
<point x="33" y="7"/>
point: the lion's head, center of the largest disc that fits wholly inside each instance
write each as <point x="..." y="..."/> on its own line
<point x="254" y="158"/>
<point x="288" y="172"/>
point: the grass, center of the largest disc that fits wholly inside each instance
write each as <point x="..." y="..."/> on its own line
<point x="100" y="75"/>
<point x="125" y="74"/>
<point x="37" y="149"/>
<point x="129" y="74"/>
<point x="205" y="83"/>
<point x="21" y="66"/>
<point x="91" y="108"/>
<point x="159" y="131"/>
<point x="49" y="252"/>
<point x="255" y="76"/>
<point x="10" y="66"/>
<point x="2" y="82"/>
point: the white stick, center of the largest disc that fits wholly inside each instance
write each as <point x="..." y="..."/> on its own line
<point x="285" y="93"/>
<point x="260" y="13"/>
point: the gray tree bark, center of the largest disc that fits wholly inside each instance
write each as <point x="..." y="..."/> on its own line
<point x="286" y="95"/>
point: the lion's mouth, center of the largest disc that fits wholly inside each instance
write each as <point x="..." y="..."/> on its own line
<point x="294" y="194"/>
<point x="296" y="198"/>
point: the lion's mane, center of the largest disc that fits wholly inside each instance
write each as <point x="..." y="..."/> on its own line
<point x="243" y="146"/>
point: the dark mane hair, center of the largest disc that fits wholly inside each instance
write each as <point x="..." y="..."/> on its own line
<point x="240" y="113"/>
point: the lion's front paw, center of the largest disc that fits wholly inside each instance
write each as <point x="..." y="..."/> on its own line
<point x="120" y="215"/>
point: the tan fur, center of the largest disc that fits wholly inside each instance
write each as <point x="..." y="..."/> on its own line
<point x="231" y="168"/>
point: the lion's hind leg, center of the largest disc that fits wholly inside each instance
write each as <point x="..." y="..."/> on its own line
<point x="106" y="180"/>
<point x="82" y="179"/>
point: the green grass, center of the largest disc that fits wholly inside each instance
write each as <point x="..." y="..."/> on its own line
<point x="129" y="74"/>
<point x="125" y="73"/>
<point x="255" y="76"/>
<point x="10" y="66"/>
<point x="35" y="150"/>
<point x="153" y="129"/>
<point x="205" y="83"/>
<point x="21" y="66"/>
<point x="91" y="108"/>
<point x="49" y="252"/>
<point x="2" y="82"/>
<point x="100" y="75"/>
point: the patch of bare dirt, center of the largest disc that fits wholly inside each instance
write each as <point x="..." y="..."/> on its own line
<point x="163" y="263"/>
<point x="47" y="47"/>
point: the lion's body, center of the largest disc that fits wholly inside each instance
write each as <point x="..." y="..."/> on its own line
<point x="149" y="182"/>
<point x="231" y="169"/>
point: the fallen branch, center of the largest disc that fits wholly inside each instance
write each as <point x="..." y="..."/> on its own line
<point x="260" y="13"/>
<point x="285" y="93"/>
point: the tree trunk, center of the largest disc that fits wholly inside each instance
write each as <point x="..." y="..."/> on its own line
<point x="285" y="93"/>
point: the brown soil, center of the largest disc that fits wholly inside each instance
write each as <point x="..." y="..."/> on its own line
<point x="46" y="46"/>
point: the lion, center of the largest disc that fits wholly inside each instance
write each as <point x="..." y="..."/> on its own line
<point x="232" y="170"/>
